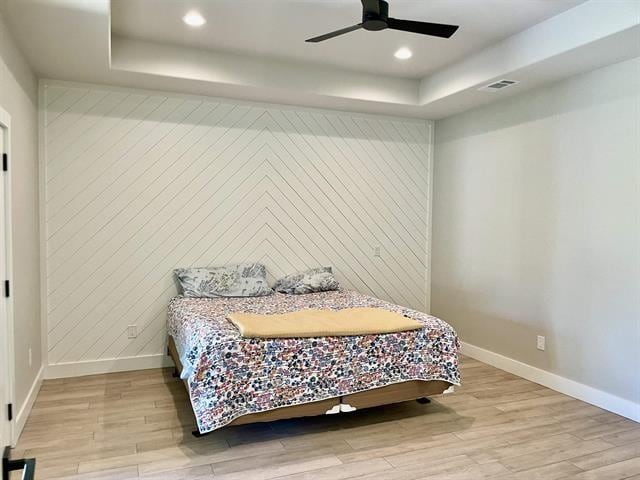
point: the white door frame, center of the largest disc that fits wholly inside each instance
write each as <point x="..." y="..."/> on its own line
<point x="7" y="330"/>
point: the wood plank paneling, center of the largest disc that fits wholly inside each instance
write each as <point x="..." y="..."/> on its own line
<point x="138" y="183"/>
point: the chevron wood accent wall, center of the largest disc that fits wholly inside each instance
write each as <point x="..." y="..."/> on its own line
<point x="137" y="183"/>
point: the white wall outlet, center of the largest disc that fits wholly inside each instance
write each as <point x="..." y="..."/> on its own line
<point x="376" y="251"/>
<point x="541" y="343"/>
<point x="30" y="357"/>
<point x="132" y="331"/>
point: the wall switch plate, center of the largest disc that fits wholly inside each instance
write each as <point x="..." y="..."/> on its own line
<point x="541" y="343"/>
<point x="376" y="251"/>
<point x="132" y="331"/>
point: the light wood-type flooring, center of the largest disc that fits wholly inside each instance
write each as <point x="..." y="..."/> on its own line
<point x="497" y="426"/>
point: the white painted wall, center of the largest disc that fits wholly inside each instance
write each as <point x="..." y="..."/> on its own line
<point x="138" y="183"/>
<point x="19" y="97"/>
<point x="536" y="228"/>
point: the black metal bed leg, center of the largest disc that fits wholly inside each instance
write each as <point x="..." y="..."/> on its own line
<point x="423" y="400"/>
<point x="175" y="373"/>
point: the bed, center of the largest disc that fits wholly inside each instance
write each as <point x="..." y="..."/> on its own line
<point x="233" y="380"/>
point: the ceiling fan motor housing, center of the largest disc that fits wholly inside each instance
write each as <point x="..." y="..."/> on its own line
<point x="374" y="21"/>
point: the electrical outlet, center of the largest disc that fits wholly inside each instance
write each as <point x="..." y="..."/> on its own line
<point x="132" y="331"/>
<point x="30" y="357"/>
<point x="542" y="343"/>
<point x="376" y="251"/>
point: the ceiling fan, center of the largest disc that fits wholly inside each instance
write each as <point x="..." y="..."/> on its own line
<point x="375" y="16"/>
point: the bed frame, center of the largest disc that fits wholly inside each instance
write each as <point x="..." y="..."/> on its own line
<point x="400" y="392"/>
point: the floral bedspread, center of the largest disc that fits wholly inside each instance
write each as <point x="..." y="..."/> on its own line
<point x="230" y="376"/>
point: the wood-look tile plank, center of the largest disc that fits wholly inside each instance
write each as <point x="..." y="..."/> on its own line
<point x="405" y="447"/>
<point x="604" y="429"/>
<point x="470" y="472"/>
<point x="269" y="460"/>
<point x="615" y="471"/>
<point x="341" y="471"/>
<point x="44" y="472"/>
<point x="536" y="402"/>
<point x="203" y="472"/>
<point x="489" y="454"/>
<point x="558" y="454"/>
<point x="279" y="470"/>
<point x="555" y="471"/>
<point x="607" y="457"/>
<point x="431" y="468"/>
<point x="126" y="473"/>
<point x="622" y="438"/>
<point x="193" y="456"/>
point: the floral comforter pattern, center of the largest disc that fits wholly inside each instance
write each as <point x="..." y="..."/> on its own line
<point x="230" y="376"/>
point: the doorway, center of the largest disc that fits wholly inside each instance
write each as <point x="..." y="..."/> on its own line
<point x="6" y="317"/>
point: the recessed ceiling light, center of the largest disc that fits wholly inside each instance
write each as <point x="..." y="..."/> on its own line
<point x="403" y="53"/>
<point x="194" y="19"/>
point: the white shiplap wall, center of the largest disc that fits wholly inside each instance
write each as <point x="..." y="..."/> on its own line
<point x="137" y="183"/>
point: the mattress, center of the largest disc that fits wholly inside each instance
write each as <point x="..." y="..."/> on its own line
<point x="229" y="376"/>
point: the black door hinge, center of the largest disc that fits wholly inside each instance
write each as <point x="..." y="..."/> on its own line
<point x="10" y="411"/>
<point x="7" y="289"/>
<point x="5" y="162"/>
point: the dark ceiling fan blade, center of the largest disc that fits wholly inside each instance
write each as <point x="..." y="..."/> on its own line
<point x="425" y="28"/>
<point x="372" y="6"/>
<point x="327" y="36"/>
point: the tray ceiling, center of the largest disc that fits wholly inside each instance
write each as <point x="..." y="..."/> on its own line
<point x="277" y="29"/>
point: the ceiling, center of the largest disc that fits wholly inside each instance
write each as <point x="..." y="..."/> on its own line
<point x="255" y="49"/>
<point x="278" y="28"/>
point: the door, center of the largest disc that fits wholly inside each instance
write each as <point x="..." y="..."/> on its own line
<point x="5" y="425"/>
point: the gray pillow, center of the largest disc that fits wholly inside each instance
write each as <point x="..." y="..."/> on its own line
<point x="313" y="280"/>
<point x="243" y="280"/>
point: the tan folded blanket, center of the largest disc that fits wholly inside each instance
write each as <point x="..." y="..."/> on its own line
<point x="322" y="323"/>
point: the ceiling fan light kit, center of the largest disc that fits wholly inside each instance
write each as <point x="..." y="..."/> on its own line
<point x="375" y="17"/>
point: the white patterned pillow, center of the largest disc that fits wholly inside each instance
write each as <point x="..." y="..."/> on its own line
<point x="313" y="280"/>
<point x="243" y="280"/>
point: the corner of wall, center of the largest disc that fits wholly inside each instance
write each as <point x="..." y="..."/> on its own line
<point x="42" y="152"/>
<point x="430" y="164"/>
<point x="27" y="406"/>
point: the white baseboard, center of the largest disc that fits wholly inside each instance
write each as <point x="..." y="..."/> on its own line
<point x="109" y="365"/>
<point x="25" y="410"/>
<point x="612" y="403"/>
